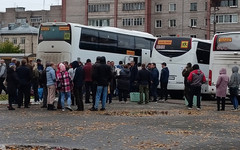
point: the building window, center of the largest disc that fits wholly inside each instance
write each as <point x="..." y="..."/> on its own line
<point x="99" y="22"/>
<point x="133" y="21"/>
<point x="14" y="40"/>
<point x="172" y="35"/>
<point x="206" y="5"/>
<point x="22" y="40"/>
<point x="133" y="6"/>
<point x="6" y="39"/>
<point x="193" y="22"/>
<point x="227" y="3"/>
<point x="172" y="23"/>
<point x="172" y="7"/>
<point x="193" y="7"/>
<point x="158" y="23"/>
<point x="193" y="36"/>
<point x="158" y="8"/>
<point x="227" y="18"/>
<point x="98" y="7"/>
<point x="37" y="19"/>
<point x="21" y="20"/>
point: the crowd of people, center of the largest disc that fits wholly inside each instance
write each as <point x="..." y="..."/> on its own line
<point x="194" y="78"/>
<point x="102" y="80"/>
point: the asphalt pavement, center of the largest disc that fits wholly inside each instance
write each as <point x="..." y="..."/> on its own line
<point x="124" y="126"/>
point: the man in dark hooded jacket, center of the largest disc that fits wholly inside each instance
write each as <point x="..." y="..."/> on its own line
<point x="94" y="82"/>
<point x="78" y="81"/>
<point x="103" y="77"/>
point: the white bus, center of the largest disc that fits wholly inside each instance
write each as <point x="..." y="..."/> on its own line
<point x="59" y="41"/>
<point x="176" y="52"/>
<point x="225" y="53"/>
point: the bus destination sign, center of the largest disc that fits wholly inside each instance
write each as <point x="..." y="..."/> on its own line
<point x="164" y="42"/>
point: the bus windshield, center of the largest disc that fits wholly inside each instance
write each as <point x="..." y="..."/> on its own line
<point x="173" y="46"/>
<point x="55" y="33"/>
<point x="227" y="42"/>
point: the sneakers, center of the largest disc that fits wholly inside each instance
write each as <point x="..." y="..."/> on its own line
<point x="63" y="109"/>
<point x="199" y="108"/>
<point x="69" y="108"/>
<point x="235" y="109"/>
<point x="189" y="108"/>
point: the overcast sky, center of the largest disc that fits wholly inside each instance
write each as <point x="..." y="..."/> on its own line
<point x="28" y="4"/>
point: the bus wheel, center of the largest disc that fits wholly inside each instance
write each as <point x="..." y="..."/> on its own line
<point x="176" y="94"/>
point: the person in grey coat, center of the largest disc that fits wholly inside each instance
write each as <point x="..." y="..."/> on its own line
<point x="233" y="87"/>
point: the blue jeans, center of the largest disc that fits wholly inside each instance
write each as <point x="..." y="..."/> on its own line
<point x="235" y="102"/>
<point x="100" y="90"/>
<point x="68" y="94"/>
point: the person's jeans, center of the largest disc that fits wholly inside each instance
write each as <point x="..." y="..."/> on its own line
<point x="68" y="94"/>
<point x="235" y="102"/>
<point x="195" y="90"/>
<point x="45" y="94"/>
<point x="233" y="96"/>
<point x="164" y="92"/>
<point x="122" y="94"/>
<point x="88" y="87"/>
<point x="100" y="90"/>
<point x="35" y="89"/>
<point x="154" y="91"/>
<point x="144" y="89"/>
<point x="219" y="99"/>
<point x="79" y="97"/>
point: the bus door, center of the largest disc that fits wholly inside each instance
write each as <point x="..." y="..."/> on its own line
<point x="145" y="56"/>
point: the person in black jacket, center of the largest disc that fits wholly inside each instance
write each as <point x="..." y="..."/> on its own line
<point x="123" y="83"/>
<point x="103" y="77"/>
<point x="24" y="75"/>
<point x="78" y="81"/>
<point x="144" y="79"/>
<point x="94" y="82"/>
<point x="154" y="81"/>
<point x="164" y="81"/>
<point x="12" y="83"/>
<point x="134" y="72"/>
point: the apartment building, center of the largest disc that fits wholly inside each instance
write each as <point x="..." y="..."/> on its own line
<point x="23" y="35"/>
<point x="34" y="18"/>
<point x="191" y="18"/>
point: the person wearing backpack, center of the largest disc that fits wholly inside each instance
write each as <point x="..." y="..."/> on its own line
<point x="233" y="87"/>
<point x="3" y="75"/>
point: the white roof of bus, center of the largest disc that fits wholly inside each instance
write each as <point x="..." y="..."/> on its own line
<point x="227" y="33"/>
<point x="112" y="29"/>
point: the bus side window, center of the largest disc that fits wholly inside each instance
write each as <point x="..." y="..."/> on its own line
<point x="88" y="39"/>
<point x="107" y="41"/>
<point x="125" y="43"/>
<point x="142" y="43"/>
<point x="203" y="52"/>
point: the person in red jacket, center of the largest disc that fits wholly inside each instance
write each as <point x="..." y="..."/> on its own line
<point x="196" y="78"/>
<point x="88" y="79"/>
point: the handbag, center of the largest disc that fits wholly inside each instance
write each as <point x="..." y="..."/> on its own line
<point x="59" y="84"/>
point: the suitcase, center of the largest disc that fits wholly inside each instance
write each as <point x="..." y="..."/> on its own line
<point x="135" y="97"/>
